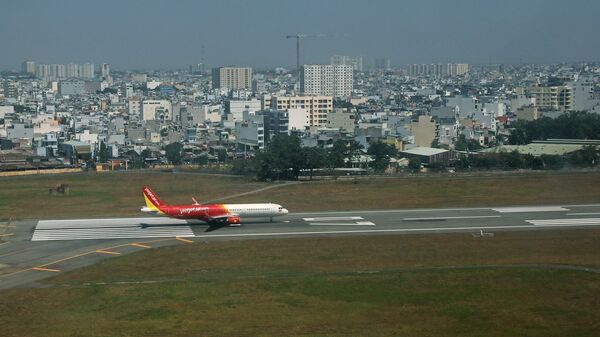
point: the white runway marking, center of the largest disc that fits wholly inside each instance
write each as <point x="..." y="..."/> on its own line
<point x="566" y="222"/>
<point x="331" y="221"/>
<point x="452" y="217"/>
<point x="429" y="210"/>
<point x="334" y="218"/>
<point x="119" y="228"/>
<point x="530" y="209"/>
<point x="358" y="223"/>
<point x="583" y="213"/>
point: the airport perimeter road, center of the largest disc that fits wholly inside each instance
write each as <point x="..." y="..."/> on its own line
<point x="33" y="250"/>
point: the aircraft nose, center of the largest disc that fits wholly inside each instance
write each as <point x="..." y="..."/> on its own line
<point x="285" y="211"/>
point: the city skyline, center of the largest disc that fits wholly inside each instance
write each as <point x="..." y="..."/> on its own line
<point x="158" y="35"/>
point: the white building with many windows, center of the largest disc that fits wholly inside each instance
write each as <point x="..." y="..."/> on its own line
<point x="317" y="106"/>
<point x="325" y="79"/>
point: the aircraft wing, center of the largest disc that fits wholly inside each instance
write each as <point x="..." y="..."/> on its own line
<point x="219" y="221"/>
<point x="223" y="216"/>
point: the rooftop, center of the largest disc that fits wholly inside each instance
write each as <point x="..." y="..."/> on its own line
<point x="424" y="151"/>
<point x="537" y="149"/>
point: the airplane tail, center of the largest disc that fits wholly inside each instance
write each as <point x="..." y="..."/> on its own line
<point x="153" y="203"/>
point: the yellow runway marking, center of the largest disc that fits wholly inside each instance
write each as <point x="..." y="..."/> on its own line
<point x="77" y="256"/>
<point x="8" y="234"/>
<point x="183" y="240"/>
<point x="45" y="269"/>
<point x="135" y="244"/>
<point x="107" y="252"/>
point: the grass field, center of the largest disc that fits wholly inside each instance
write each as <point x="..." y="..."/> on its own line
<point x="108" y="194"/>
<point x="116" y="194"/>
<point x="543" y="283"/>
<point x="427" y="192"/>
<point x="514" y="284"/>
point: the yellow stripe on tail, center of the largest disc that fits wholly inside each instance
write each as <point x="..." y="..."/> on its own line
<point x="152" y="201"/>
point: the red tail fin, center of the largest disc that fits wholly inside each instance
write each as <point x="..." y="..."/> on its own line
<point x="151" y="197"/>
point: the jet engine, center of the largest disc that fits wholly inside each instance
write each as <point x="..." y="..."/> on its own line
<point x="233" y="220"/>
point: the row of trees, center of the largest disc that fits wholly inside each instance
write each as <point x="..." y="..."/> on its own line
<point x="286" y="158"/>
<point x="573" y="125"/>
<point x="589" y="156"/>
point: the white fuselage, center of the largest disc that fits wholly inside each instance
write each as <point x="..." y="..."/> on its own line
<point x="256" y="210"/>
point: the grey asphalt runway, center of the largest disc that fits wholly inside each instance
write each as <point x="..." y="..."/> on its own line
<point x="34" y="250"/>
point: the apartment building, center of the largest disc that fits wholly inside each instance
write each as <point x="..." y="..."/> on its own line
<point x="318" y="106"/>
<point x="232" y="78"/>
<point x="552" y="98"/>
<point x="325" y="79"/>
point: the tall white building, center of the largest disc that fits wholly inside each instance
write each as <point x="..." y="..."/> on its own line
<point x="72" y="70"/>
<point x="134" y="104"/>
<point x="87" y="70"/>
<point x="129" y="90"/>
<point x="105" y="69"/>
<point x="28" y="67"/>
<point x="438" y="69"/>
<point x="232" y="78"/>
<point x="57" y="71"/>
<point x="342" y="60"/>
<point x="325" y="79"/>
<point x="42" y="71"/>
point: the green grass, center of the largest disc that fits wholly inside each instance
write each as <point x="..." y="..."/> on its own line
<point x="116" y="194"/>
<point x="405" y="285"/>
<point x="444" y="191"/>
<point x="513" y="284"/>
<point x="442" y="303"/>
<point x="108" y="194"/>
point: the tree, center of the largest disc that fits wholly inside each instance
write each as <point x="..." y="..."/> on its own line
<point x="282" y="160"/>
<point x="313" y="157"/>
<point x="343" y="149"/>
<point x="380" y="153"/>
<point x="588" y="156"/>
<point x="103" y="153"/>
<point x="135" y="160"/>
<point x="243" y="167"/>
<point x="464" y="144"/>
<point x="338" y="103"/>
<point x="21" y="108"/>
<point x="146" y="153"/>
<point x="222" y="155"/>
<point x="414" y="164"/>
<point x="573" y="125"/>
<point x="174" y="153"/>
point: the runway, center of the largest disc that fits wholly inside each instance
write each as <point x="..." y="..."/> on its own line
<point x="33" y="250"/>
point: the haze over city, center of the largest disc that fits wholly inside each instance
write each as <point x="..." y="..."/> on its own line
<point x="160" y="35"/>
<point x="299" y="168"/>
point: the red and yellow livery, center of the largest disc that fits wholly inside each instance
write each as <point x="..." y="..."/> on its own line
<point x="230" y="214"/>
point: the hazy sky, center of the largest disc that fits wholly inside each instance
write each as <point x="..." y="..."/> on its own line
<point x="170" y="33"/>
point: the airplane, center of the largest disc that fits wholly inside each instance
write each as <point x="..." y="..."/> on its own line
<point x="214" y="214"/>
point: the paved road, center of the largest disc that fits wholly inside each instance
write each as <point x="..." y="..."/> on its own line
<point x="33" y="250"/>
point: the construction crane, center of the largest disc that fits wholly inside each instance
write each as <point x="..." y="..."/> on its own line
<point x="298" y="37"/>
